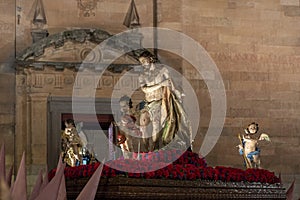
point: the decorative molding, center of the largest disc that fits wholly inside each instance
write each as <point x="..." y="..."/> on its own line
<point x="57" y="40"/>
<point x="39" y="97"/>
<point x="88" y="54"/>
<point x="58" y="81"/>
<point x="133" y="188"/>
<point x="68" y="80"/>
<point x="38" y="81"/>
<point x="59" y="66"/>
<point x="255" y="58"/>
<point x="107" y="82"/>
<point x="57" y="43"/>
<point x="50" y="81"/>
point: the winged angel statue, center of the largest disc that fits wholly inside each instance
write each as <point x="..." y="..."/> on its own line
<point x="249" y="147"/>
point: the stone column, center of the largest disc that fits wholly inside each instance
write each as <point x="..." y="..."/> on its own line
<point x="38" y="128"/>
<point x="21" y="115"/>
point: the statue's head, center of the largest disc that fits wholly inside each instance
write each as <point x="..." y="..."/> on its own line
<point x="252" y="128"/>
<point x="69" y="123"/>
<point x="125" y="104"/>
<point x="146" y="58"/>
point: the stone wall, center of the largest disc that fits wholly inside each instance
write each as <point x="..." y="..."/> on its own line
<point x="7" y="78"/>
<point x="255" y="45"/>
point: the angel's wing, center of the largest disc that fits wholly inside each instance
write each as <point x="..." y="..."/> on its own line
<point x="79" y="126"/>
<point x="264" y="136"/>
<point x="246" y="131"/>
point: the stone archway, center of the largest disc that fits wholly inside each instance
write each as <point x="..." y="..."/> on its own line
<point x="45" y="75"/>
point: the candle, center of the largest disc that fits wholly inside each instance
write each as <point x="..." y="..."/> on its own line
<point x="139" y="146"/>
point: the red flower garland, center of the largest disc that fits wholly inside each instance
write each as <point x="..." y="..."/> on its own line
<point x="189" y="166"/>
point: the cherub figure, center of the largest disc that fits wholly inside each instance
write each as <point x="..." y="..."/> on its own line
<point x="249" y="147"/>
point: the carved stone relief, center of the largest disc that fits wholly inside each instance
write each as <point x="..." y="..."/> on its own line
<point x="50" y="81"/>
<point x="87" y="7"/>
<point x="72" y="53"/>
<point x="78" y="45"/>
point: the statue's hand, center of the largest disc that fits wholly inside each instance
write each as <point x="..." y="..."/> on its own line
<point x="166" y="83"/>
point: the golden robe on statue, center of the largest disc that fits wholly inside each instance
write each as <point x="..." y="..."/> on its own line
<point x="176" y="131"/>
